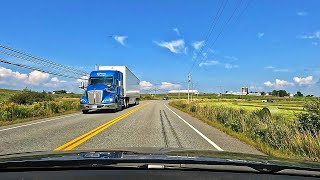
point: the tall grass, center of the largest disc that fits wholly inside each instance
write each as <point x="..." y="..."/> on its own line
<point x="261" y="126"/>
<point x="11" y="111"/>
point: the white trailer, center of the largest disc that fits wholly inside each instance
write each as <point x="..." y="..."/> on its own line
<point x="131" y="84"/>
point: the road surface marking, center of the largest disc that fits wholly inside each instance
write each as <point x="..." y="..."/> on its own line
<point x="61" y="117"/>
<point x="197" y="131"/>
<point x="83" y="138"/>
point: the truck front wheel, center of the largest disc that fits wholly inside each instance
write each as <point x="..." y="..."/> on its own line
<point x="85" y="111"/>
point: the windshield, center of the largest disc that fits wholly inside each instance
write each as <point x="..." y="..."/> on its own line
<point x="100" y="80"/>
<point x="231" y="76"/>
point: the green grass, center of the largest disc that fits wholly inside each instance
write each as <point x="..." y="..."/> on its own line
<point x="276" y="134"/>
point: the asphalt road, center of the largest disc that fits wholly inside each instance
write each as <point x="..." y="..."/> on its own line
<point x="150" y="124"/>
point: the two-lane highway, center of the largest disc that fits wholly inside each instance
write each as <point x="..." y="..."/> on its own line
<point x="150" y="124"/>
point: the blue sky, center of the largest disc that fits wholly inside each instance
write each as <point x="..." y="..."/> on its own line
<point x="273" y="45"/>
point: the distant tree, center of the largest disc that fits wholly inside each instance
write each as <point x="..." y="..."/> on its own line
<point x="280" y="93"/>
<point x="310" y="95"/>
<point x="60" y="92"/>
<point x="299" y="94"/>
<point x="263" y="93"/>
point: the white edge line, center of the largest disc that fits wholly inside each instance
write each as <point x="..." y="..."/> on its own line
<point x="15" y="127"/>
<point x="197" y="131"/>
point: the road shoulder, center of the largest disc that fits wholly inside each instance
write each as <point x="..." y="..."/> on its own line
<point x="223" y="140"/>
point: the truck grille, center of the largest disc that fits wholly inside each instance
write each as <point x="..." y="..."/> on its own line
<point x="95" y="97"/>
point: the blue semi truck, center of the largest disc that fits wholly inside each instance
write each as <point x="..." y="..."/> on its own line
<point x="111" y="88"/>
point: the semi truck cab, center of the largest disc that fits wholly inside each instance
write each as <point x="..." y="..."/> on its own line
<point x="104" y="91"/>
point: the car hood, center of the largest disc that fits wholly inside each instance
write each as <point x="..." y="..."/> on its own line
<point x="157" y="153"/>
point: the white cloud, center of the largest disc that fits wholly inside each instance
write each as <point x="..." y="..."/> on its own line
<point x="169" y="86"/>
<point x="176" y="30"/>
<point x="278" y="83"/>
<point x="37" y="77"/>
<point x="314" y="35"/>
<point x="176" y="46"/>
<point x="145" y="85"/>
<point x="120" y="39"/>
<point x="268" y="84"/>
<point x="260" y="35"/>
<point x="269" y="67"/>
<point x="55" y="79"/>
<point x="230" y="66"/>
<point x="302" y="13"/>
<point x="197" y="44"/>
<point x="34" y="79"/>
<point x="282" y="83"/>
<point x="209" y="63"/>
<point x="315" y="43"/>
<point x="303" y="81"/>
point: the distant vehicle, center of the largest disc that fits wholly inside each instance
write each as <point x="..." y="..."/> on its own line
<point x="110" y="87"/>
<point x="165" y="98"/>
<point x="267" y="100"/>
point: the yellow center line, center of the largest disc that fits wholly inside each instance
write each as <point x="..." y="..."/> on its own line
<point x="81" y="139"/>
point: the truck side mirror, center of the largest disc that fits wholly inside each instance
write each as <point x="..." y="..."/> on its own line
<point x="81" y="85"/>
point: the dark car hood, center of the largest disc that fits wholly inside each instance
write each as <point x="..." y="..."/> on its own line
<point x="161" y="153"/>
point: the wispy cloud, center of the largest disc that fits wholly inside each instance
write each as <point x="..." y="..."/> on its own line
<point x="314" y="35"/>
<point x="260" y="35"/>
<point x="209" y="63"/>
<point x="197" y="44"/>
<point x="301" y="13"/>
<point x="176" y="46"/>
<point x="231" y="58"/>
<point x="274" y="69"/>
<point x="315" y="43"/>
<point x="120" y="39"/>
<point x="269" y="67"/>
<point x="281" y="70"/>
<point x="230" y="66"/>
<point x="176" y="30"/>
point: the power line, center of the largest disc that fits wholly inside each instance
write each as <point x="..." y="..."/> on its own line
<point x="44" y="60"/>
<point x="213" y="25"/>
<point x="222" y="29"/>
<point x="37" y="69"/>
<point x="34" y="61"/>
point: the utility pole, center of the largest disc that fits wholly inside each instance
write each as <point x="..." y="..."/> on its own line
<point x="179" y="91"/>
<point x="155" y="92"/>
<point x="192" y="91"/>
<point x="189" y="79"/>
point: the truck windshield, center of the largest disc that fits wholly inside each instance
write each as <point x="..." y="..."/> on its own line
<point x="100" y="80"/>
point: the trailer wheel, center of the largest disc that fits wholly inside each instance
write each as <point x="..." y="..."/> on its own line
<point x="137" y="102"/>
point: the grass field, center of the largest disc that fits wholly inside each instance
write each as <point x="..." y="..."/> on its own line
<point x="286" y="108"/>
<point x="273" y="128"/>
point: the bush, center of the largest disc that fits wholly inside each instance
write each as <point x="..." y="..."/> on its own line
<point x="29" y="97"/>
<point x="310" y="120"/>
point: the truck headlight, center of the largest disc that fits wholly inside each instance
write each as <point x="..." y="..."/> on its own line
<point x="107" y="100"/>
<point x="83" y="101"/>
